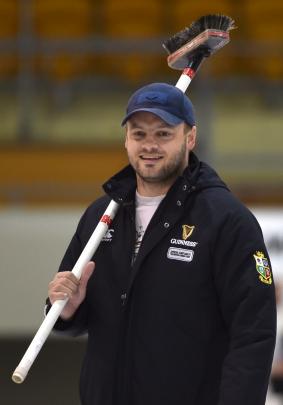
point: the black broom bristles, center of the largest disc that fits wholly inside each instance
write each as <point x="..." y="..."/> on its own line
<point x="211" y="21"/>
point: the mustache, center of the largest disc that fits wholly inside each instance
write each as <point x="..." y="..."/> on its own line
<point x="151" y="149"/>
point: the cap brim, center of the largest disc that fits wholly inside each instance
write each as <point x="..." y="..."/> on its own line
<point x="164" y="115"/>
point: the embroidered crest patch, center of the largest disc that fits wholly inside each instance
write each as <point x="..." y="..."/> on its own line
<point x="263" y="268"/>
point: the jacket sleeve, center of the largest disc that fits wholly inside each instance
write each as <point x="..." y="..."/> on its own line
<point x="245" y="287"/>
<point x="78" y="324"/>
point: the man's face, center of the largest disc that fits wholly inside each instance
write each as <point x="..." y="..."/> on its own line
<point x="157" y="151"/>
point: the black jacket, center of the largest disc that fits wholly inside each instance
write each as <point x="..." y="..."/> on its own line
<point x="192" y="321"/>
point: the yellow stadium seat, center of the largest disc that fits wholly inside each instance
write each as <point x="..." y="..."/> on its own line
<point x="264" y="19"/>
<point x="265" y="29"/>
<point x="9" y="28"/>
<point x="63" y="20"/>
<point x="183" y="13"/>
<point x="9" y="17"/>
<point x="9" y="65"/>
<point x="132" y="19"/>
<point x="132" y="68"/>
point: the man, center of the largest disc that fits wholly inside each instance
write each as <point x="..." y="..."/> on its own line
<point x="180" y="308"/>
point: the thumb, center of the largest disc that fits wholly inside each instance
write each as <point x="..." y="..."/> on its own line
<point x="87" y="272"/>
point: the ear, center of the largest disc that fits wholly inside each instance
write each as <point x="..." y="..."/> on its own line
<point x="126" y="137"/>
<point x="192" y="138"/>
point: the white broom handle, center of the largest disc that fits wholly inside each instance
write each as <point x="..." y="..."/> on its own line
<point x="46" y="327"/>
<point x="185" y="79"/>
<point x="183" y="82"/>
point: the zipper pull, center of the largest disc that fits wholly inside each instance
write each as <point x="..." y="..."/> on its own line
<point x="123" y="298"/>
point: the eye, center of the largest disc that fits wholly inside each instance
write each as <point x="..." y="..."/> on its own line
<point x="138" y="134"/>
<point x="164" y="134"/>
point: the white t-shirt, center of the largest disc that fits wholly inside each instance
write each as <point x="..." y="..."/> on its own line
<point x="145" y="208"/>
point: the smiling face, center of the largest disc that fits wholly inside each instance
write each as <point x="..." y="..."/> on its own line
<point x="157" y="151"/>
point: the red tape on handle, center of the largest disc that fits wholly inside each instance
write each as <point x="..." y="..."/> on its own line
<point x="189" y="72"/>
<point x="106" y="219"/>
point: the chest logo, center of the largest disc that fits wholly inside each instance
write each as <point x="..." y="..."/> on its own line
<point x="263" y="268"/>
<point x="185" y="255"/>
<point x="108" y="236"/>
<point x="187" y="230"/>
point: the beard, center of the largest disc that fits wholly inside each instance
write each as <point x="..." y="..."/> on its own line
<point x="167" y="173"/>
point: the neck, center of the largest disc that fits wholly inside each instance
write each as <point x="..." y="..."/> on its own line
<point x="147" y="189"/>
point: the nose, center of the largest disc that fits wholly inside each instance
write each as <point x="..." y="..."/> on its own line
<point x="150" y="145"/>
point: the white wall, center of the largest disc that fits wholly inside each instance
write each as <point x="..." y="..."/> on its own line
<point x="32" y="243"/>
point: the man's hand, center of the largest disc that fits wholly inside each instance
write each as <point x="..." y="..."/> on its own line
<point x="65" y="284"/>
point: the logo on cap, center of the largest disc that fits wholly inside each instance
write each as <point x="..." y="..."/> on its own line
<point x="157" y="98"/>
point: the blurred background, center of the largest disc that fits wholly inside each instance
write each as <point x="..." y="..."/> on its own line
<point x="67" y="69"/>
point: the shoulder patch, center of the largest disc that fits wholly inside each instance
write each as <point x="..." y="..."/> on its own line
<point x="263" y="268"/>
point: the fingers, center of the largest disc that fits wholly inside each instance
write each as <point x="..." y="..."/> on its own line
<point x="65" y="284"/>
<point x="87" y="272"/>
<point x="67" y="275"/>
<point x="54" y="296"/>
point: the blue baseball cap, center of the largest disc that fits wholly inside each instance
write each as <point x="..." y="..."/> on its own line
<point x="164" y="100"/>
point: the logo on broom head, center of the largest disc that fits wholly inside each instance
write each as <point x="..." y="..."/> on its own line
<point x="263" y="268"/>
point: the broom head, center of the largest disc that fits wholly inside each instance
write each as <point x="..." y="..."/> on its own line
<point x="203" y="38"/>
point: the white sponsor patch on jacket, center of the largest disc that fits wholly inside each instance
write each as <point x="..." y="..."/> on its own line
<point x="108" y="236"/>
<point x="186" y="255"/>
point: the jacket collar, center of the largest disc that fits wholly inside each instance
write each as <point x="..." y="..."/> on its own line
<point x="197" y="175"/>
<point x="122" y="186"/>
